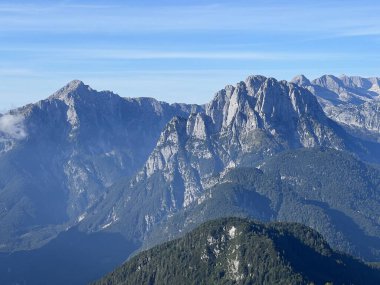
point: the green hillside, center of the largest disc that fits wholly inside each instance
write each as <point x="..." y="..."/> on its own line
<point x="241" y="251"/>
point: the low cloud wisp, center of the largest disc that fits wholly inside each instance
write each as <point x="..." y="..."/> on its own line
<point x="12" y="127"/>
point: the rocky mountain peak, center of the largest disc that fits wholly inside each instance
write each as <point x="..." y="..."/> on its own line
<point x="301" y="80"/>
<point x="263" y="103"/>
<point x="372" y="84"/>
<point x="76" y="83"/>
<point x="255" y="81"/>
<point x="281" y="104"/>
<point x="355" y="82"/>
<point x="74" y="87"/>
<point x="329" y="81"/>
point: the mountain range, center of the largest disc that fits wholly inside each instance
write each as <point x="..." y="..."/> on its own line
<point x="352" y="101"/>
<point x="87" y="165"/>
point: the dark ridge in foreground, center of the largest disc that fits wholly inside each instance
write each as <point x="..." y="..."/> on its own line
<point x="241" y="251"/>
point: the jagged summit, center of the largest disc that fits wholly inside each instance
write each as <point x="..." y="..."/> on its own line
<point x="301" y="80"/>
<point x="261" y="103"/>
<point x="75" y="83"/>
<point x="328" y="81"/>
<point x="73" y="87"/>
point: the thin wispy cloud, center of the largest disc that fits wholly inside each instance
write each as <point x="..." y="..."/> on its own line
<point x="5" y="72"/>
<point x="234" y="55"/>
<point x="125" y="54"/>
<point x="339" y="20"/>
<point x="12" y="127"/>
<point x="137" y="46"/>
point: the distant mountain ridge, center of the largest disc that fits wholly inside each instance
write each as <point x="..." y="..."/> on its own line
<point x="352" y="101"/>
<point x="344" y="89"/>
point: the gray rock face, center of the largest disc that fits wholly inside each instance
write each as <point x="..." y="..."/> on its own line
<point x="58" y="155"/>
<point x="289" y="115"/>
<point x="362" y="120"/>
<point x="241" y="125"/>
<point x="352" y="101"/>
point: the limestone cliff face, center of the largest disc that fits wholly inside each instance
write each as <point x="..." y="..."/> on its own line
<point x="185" y="153"/>
<point x="259" y="116"/>
<point x="281" y="112"/>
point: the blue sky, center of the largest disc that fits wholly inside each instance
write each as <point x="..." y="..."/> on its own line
<point x="179" y="51"/>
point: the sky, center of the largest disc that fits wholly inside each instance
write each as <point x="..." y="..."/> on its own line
<point x="179" y="51"/>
